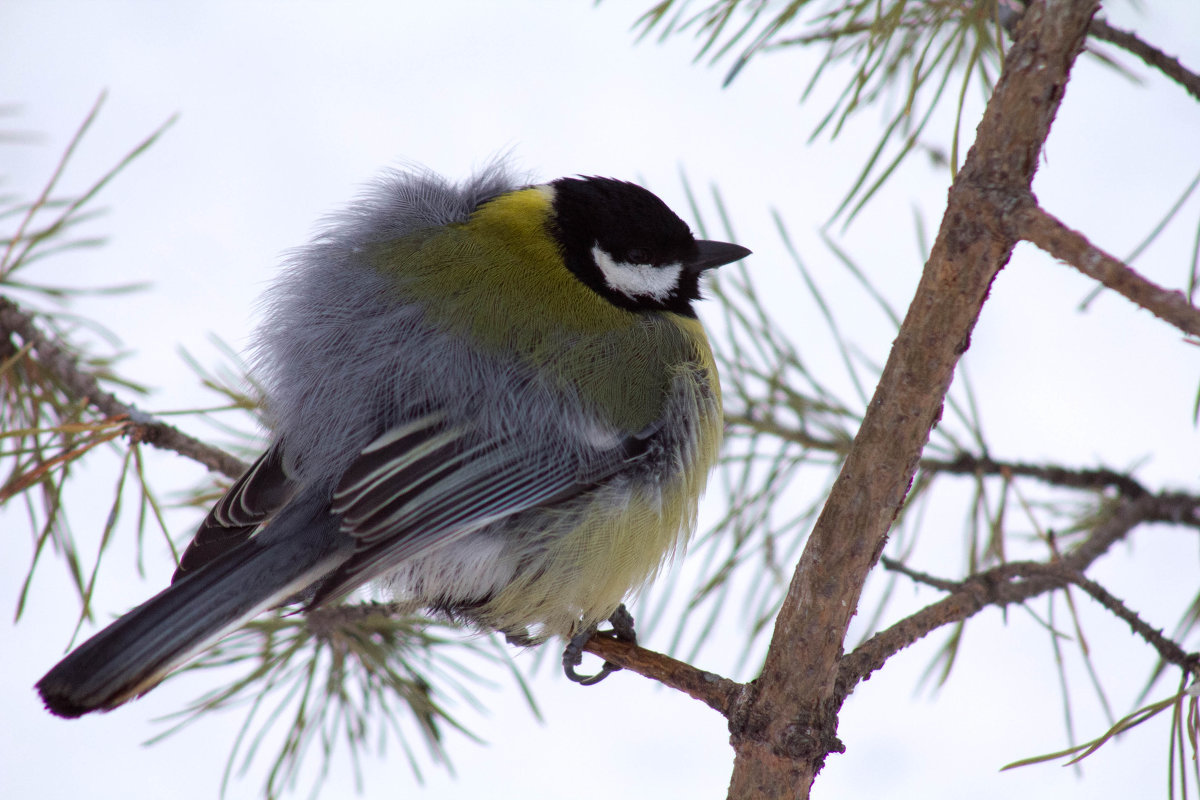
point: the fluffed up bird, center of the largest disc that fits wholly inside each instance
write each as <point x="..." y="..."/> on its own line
<point x="494" y="400"/>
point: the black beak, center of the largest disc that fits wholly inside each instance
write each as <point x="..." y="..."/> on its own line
<point x="715" y="254"/>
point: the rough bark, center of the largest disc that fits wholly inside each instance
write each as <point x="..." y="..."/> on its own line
<point x="785" y="725"/>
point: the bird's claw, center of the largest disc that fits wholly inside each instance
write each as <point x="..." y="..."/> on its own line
<point x="622" y="630"/>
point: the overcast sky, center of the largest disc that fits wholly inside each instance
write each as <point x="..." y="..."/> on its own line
<point x="285" y="108"/>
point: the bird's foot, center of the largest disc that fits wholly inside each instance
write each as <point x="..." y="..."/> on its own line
<point x="622" y="630"/>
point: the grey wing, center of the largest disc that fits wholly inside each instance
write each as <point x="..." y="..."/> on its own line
<point x="256" y="496"/>
<point x="429" y="483"/>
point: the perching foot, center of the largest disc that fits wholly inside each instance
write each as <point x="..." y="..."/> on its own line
<point x="622" y="630"/>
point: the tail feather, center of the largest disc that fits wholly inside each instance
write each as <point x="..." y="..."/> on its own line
<point x="135" y="653"/>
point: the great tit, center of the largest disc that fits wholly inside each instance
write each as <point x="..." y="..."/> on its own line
<point x="494" y="400"/>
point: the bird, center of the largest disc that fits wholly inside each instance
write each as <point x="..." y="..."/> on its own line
<point x="491" y="399"/>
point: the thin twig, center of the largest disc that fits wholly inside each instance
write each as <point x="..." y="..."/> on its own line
<point x="81" y="385"/>
<point x="1053" y="475"/>
<point x="1168" y="650"/>
<point x="1014" y="582"/>
<point x="1034" y="224"/>
<point x="917" y="576"/>
<point x="1175" y="507"/>
<point x="1061" y="575"/>
<point x="1152" y="56"/>
<point x="717" y="692"/>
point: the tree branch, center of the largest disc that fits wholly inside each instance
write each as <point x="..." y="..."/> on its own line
<point x="1053" y="475"/>
<point x="1175" y="507"/>
<point x="1152" y="56"/>
<point x="1000" y="586"/>
<point x="717" y="692"/>
<point x="1167" y="649"/>
<point x="81" y="385"/>
<point x="1042" y="229"/>
<point x="785" y="725"/>
<point x="1015" y="582"/>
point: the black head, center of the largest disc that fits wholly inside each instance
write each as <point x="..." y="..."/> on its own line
<point x="630" y="248"/>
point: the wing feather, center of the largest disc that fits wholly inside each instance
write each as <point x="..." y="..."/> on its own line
<point x="427" y="484"/>
<point x="259" y="493"/>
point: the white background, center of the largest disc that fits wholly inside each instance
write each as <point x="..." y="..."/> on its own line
<point x="286" y="108"/>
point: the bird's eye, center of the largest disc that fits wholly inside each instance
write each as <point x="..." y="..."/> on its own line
<point x="639" y="255"/>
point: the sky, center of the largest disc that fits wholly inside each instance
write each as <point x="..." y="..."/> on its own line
<point x="284" y="109"/>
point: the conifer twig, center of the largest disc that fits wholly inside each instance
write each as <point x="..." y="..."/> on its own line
<point x="82" y="386"/>
<point x="1044" y="230"/>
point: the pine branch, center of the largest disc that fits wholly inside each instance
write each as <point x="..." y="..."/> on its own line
<point x="1168" y="650"/>
<point x="1152" y="56"/>
<point x="715" y="691"/>
<point x="82" y="386"/>
<point x="1015" y="582"/>
<point x="1174" y="507"/>
<point x="1050" y="474"/>
<point x="785" y="725"/>
<point x="1042" y="229"/>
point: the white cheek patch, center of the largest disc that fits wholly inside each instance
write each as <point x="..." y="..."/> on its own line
<point x="638" y="280"/>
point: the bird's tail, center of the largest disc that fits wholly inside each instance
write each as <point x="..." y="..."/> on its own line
<point x="131" y="656"/>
